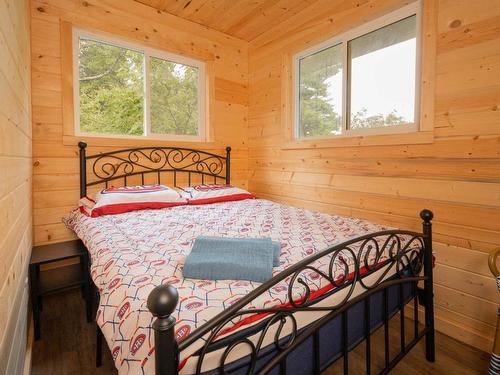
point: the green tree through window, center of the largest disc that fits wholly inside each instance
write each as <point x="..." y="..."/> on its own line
<point x="320" y="113"/>
<point x="112" y="94"/>
<point x="111" y="89"/>
<point x="174" y="98"/>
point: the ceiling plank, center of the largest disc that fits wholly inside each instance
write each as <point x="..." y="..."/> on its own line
<point x="268" y="14"/>
<point x="244" y="19"/>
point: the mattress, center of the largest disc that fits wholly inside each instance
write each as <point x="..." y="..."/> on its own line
<point x="134" y="252"/>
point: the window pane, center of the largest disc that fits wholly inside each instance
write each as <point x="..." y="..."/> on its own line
<point x="174" y="98"/>
<point x="320" y="93"/>
<point x="111" y="89"/>
<point x="382" y="76"/>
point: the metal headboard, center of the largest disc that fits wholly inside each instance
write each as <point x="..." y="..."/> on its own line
<point x="141" y="161"/>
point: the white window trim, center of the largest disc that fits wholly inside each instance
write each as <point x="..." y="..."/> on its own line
<point x="147" y="52"/>
<point x="412" y="9"/>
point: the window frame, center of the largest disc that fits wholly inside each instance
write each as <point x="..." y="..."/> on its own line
<point x="413" y="9"/>
<point x="148" y="52"/>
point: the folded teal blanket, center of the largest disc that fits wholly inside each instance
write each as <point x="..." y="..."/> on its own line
<point x="225" y="258"/>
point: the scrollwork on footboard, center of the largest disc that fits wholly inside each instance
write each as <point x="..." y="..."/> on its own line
<point x="341" y="269"/>
<point x="348" y="265"/>
<point x="352" y="270"/>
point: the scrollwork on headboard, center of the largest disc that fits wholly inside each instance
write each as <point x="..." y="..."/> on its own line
<point x="124" y="163"/>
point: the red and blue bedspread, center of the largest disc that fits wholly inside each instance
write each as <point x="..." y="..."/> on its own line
<point x="134" y="252"/>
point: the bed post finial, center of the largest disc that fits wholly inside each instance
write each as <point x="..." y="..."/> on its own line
<point x="83" y="168"/>
<point x="228" y="165"/>
<point x="162" y="302"/>
<point x="430" y="351"/>
<point x="426" y="216"/>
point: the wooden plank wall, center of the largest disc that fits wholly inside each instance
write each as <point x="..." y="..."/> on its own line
<point x="15" y="161"/>
<point x="457" y="176"/>
<point x="55" y="185"/>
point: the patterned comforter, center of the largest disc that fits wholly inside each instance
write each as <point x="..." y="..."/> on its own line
<point x="134" y="252"/>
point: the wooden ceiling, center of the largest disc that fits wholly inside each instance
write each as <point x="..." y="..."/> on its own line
<point x="245" y="19"/>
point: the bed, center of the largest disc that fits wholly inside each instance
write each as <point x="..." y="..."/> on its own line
<point x="339" y="278"/>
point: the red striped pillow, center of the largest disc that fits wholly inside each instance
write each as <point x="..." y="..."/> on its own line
<point x="117" y="200"/>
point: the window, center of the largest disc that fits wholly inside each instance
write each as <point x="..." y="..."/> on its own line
<point x="320" y="93"/>
<point x="361" y="82"/>
<point x="127" y="91"/>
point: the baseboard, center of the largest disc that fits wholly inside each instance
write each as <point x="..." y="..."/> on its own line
<point x="29" y="347"/>
<point x="13" y="346"/>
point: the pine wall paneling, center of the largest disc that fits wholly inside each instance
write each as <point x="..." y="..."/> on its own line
<point x="456" y="173"/>
<point x="15" y="174"/>
<point x="55" y="152"/>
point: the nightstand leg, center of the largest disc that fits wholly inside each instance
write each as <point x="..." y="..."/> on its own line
<point x="34" y="299"/>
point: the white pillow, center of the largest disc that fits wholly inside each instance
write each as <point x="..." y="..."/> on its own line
<point x="205" y="194"/>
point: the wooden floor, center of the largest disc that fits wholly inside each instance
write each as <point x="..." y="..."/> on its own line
<point x="67" y="347"/>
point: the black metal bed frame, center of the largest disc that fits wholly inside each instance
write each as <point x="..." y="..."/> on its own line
<point x="408" y="253"/>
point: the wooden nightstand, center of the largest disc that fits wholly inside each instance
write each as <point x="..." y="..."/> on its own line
<point x="58" y="279"/>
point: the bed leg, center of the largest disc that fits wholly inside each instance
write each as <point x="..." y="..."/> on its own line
<point x="162" y="302"/>
<point x="98" y="346"/>
<point x="430" y="351"/>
